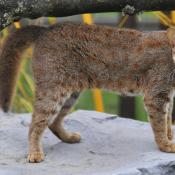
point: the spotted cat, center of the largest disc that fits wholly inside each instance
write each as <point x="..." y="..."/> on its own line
<point x="69" y="58"/>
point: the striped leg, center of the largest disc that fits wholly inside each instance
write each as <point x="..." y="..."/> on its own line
<point x="169" y="121"/>
<point x="37" y="128"/>
<point x="46" y="107"/>
<point x="57" y="125"/>
<point x="157" y="107"/>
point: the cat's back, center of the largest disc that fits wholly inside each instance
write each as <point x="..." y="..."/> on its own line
<point x="125" y="49"/>
<point x="105" y="43"/>
<point x="98" y="34"/>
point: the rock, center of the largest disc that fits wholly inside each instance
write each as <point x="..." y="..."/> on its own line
<point x="110" y="145"/>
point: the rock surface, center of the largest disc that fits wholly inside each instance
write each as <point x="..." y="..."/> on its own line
<point x="110" y="146"/>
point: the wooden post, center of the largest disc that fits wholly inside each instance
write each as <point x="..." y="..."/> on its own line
<point x="127" y="104"/>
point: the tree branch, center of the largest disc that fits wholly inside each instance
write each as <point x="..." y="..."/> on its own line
<point x="13" y="10"/>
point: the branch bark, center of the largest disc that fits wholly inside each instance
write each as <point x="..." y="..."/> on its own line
<point x="13" y="10"/>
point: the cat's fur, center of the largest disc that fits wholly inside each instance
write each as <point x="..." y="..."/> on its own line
<point x="69" y="58"/>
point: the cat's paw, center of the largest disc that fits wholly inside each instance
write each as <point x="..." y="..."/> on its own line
<point x="72" y="138"/>
<point x="35" y="157"/>
<point x="65" y="136"/>
<point x="168" y="147"/>
<point x="170" y="134"/>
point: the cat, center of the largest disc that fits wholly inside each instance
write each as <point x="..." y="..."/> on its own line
<point x="71" y="57"/>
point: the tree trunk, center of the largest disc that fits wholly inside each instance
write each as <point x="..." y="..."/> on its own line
<point x="12" y="10"/>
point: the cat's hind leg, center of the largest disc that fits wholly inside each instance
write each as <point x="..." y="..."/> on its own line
<point x="57" y="125"/>
<point x="157" y="106"/>
<point x="45" y="110"/>
<point x="37" y="127"/>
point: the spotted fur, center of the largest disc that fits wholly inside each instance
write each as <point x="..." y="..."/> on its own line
<point x="69" y="58"/>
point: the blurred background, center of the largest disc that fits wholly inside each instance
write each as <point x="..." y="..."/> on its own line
<point x="99" y="100"/>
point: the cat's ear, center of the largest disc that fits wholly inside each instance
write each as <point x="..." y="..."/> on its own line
<point x="171" y="35"/>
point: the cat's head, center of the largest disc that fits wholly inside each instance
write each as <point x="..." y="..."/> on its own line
<point x="171" y="38"/>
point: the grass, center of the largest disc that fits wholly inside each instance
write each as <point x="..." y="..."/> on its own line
<point x="110" y="102"/>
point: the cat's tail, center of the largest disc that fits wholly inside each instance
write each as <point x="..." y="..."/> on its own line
<point x="10" y="59"/>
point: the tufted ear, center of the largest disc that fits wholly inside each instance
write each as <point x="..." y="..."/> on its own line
<point x="171" y="36"/>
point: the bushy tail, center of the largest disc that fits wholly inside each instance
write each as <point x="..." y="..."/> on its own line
<point x="10" y="59"/>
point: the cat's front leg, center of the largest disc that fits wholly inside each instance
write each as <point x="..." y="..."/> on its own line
<point x="158" y="108"/>
<point x="169" y="120"/>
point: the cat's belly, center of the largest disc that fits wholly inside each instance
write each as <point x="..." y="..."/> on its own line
<point x="129" y="92"/>
<point x="126" y="91"/>
<point x="126" y="86"/>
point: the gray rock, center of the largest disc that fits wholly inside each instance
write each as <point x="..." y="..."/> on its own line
<point x="110" y="146"/>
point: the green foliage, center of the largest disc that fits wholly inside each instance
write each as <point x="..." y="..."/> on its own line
<point x="140" y="113"/>
<point x="24" y="97"/>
